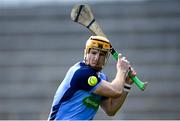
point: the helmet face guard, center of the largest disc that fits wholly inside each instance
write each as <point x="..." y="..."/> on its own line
<point x="100" y="43"/>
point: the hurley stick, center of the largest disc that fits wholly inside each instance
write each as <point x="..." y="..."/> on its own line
<point x="83" y="15"/>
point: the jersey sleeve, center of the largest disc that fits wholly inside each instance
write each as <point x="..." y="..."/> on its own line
<point x="102" y="76"/>
<point x="81" y="79"/>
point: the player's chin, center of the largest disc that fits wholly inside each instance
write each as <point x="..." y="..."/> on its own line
<point x="97" y="68"/>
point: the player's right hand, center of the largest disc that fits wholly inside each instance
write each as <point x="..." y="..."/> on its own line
<point x="132" y="73"/>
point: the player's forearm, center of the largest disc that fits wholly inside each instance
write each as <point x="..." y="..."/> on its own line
<point x="112" y="105"/>
<point x="116" y="103"/>
<point x="118" y="82"/>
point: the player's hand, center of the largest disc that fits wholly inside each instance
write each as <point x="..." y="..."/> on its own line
<point x="122" y="64"/>
<point x="133" y="73"/>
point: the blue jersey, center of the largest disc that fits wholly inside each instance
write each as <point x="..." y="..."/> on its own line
<point x="74" y="99"/>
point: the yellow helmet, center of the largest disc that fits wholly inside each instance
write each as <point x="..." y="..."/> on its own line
<point x="97" y="42"/>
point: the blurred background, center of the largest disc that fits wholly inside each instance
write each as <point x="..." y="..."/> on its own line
<point x="39" y="42"/>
